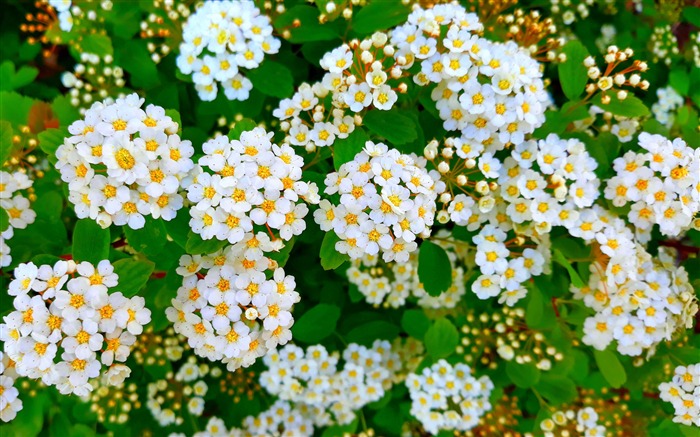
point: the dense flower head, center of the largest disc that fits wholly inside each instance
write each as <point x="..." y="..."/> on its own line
<point x="382" y="200"/>
<point x="313" y="378"/>
<point x="491" y="92"/>
<point x="393" y="283"/>
<point x="123" y="163"/>
<point x="361" y="75"/>
<point x="10" y="403"/>
<point x="282" y="418"/>
<point x="682" y="392"/>
<point x="639" y="300"/>
<point x="253" y="184"/>
<point x="664" y="109"/>
<point x="662" y="183"/>
<point x="228" y="309"/>
<point x="17" y="207"/>
<point x="220" y="40"/>
<point x="66" y="312"/>
<point x="446" y="397"/>
<point x="583" y="421"/>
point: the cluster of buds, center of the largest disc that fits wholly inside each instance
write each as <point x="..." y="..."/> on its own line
<point x="162" y="27"/>
<point x="487" y="339"/>
<point x="664" y="45"/>
<point x="568" y="10"/>
<point x="611" y="81"/>
<point x="93" y="78"/>
<point x="533" y="32"/>
<point x="112" y="404"/>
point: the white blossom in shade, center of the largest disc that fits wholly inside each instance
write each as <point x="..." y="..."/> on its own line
<point x="431" y="389"/>
<point x="682" y="393"/>
<point x="253" y="182"/>
<point x="144" y="161"/>
<point x="584" y="420"/>
<point x="67" y="332"/>
<point x="14" y="200"/>
<point x="220" y="40"/>
<point x="231" y="312"/>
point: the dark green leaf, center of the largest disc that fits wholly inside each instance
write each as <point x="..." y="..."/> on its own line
<point x="573" y="274"/>
<point x="573" y="75"/>
<point x="557" y="389"/>
<point x="392" y="125"/>
<point x="4" y="220"/>
<point x="196" y="245"/>
<point x="150" y="239"/>
<point x="273" y="79"/>
<point x="692" y="14"/>
<point x="241" y="126"/>
<point x="415" y="323"/>
<point x="331" y="259"/>
<point x="344" y="150"/>
<point x="366" y="333"/>
<point x="535" y="308"/>
<point x="90" y="242"/>
<point x="380" y="14"/>
<point x="51" y="139"/>
<point x="610" y="367"/>
<point x="630" y="107"/>
<point x="316" y="324"/>
<point x="441" y="339"/>
<point x="133" y="275"/>
<point x="523" y="375"/>
<point x="96" y="44"/>
<point x="434" y="268"/>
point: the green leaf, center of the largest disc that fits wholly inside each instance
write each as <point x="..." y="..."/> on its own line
<point x="241" y="126"/>
<point x="6" y="146"/>
<point x="96" y="44"/>
<point x="90" y="242"/>
<point x="535" y="308"/>
<point x="135" y="59"/>
<point x="523" y="375"/>
<point x="64" y="110"/>
<point x="11" y="79"/>
<point x="441" y="339"/>
<point x="51" y="139"/>
<point x="557" y="389"/>
<point x="679" y="80"/>
<point x="573" y="274"/>
<point x="4" y="220"/>
<point x="415" y="323"/>
<point x="331" y="259"/>
<point x="573" y="75"/>
<point x="133" y="275"/>
<point x="610" y="367"/>
<point x="150" y="239"/>
<point x="273" y="79"/>
<point x="380" y="14"/>
<point x="196" y="245"/>
<point x="630" y="107"/>
<point x="392" y="125"/>
<point x="316" y="324"/>
<point x="344" y="150"/>
<point x="366" y="333"/>
<point x="434" y="268"/>
<point x="15" y="107"/>
<point x="309" y="29"/>
<point x="692" y="14"/>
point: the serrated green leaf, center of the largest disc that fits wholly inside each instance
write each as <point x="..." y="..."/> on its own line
<point x="557" y="389"/>
<point x="90" y="242"/>
<point x="316" y="324"/>
<point x="150" y="239"/>
<point x="99" y="45"/>
<point x="344" y="150"/>
<point x="630" y="107"/>
<point x="51" y="139"/>
<point x="378" y="15"/>
<point x="610" y="367"/>
<point x="395" y="127"/>
<point x="434" y="268"/>
<point x="573" y="75"/>
<point x="273" y="79"/>
<point x="331" y="259"/>
<point x="133" y="275"/>
<point x="441" y="339"/>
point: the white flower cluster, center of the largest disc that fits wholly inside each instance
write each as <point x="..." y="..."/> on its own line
<point x="444" y="397"/>
<point x="639" y="300"/>
<point x="662" y="182"/>
<point x="63" y="7"/>
<point x="220" y="40"/>
<point x="664" y="109"/>
<point x="360" y="75"/>
<point x="10" y="403"/>
<point x="386" y="199"/>
<point x="55" y="310"/>
<point x="254" y="182"/>
<point x="123" y="163"/>
<point x="227" y="309"/>
<point x="684" y="393"/>
<point x="584" y="422"/>
<point x="313" y="378"/>
<point x="492" y="92"/>
<point x="188" y="382"/>
<point x="17" y="207"/>
<point x="393" y="283"/>
<point x="282" y="419"/>
<point x="664" y="44"/>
